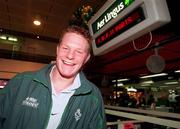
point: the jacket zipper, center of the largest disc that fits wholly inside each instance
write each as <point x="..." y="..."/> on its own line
<point x="65" y="111"/>
<point x="49" y="112"/>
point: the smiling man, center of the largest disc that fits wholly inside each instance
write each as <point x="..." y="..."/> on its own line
<point x="58" y="96"/>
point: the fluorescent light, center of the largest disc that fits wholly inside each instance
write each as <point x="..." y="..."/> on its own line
<point x="9" y="38"/>
<point x="131" y="89"/>
<point x="177" y="71"/>
<point x="120" y="84"/>
<point x="12" y="39"/>
<point x="163" y="86"/>
<point x="171" y="83"/>
<point x="3" y="37"/>
<point x="147" y="82"/>
<point x="1" y="87"/>
<point x="154" y="75"/>
<point x="113" y="80"/>
<point x="121" y="80"/>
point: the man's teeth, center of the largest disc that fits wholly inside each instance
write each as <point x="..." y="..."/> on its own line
<point x="68" y="63"/>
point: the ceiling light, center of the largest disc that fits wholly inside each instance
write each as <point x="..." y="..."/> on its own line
<point x="131" y="89"/>
<point x="121" y="80"/>
<point x="12" y="39"/>
<point x="177" y="71"/>
<point x="1" y="87"/>
<point x="120" y="84"/>
<point x="171" y="83"/>
<point x="163" y="86"/>
<point x="113" y="80"/>
<point x="37" y="22"/>
<point x="147" y="82"/>
<point x="170" y="77"/>
<point x="3" y="37"/>
<point x="9" y="38"/>
<point x="154" y="75"/>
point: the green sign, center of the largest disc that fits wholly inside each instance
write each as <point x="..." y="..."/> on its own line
<point x="110" y="14"/>
<point x="120" y="26"/>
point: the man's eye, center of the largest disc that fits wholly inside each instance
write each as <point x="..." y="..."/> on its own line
<point x="65" y="48"/>
<point x="79" y="52"/>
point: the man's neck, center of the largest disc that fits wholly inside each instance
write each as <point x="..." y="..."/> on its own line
<point x="59" y="82"/>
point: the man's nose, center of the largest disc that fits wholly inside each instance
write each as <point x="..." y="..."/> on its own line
<point x="70" y="54"/>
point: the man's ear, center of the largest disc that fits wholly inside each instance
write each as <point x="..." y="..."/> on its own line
<point x="87" y="59"/>
<point x="57" y="49"/>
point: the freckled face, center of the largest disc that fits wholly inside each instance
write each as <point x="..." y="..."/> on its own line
<point x="72" y="54"/>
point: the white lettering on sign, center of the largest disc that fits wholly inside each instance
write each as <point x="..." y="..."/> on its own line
<point x="110" y="15"/>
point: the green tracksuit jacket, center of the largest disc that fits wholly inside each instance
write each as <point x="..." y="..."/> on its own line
<point x="25" y="103"/>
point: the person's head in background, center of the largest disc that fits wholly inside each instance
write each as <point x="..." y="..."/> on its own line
<point x="73" y="51"/>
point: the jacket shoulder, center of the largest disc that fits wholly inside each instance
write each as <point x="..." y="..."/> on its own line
<point x="17" y="79"/>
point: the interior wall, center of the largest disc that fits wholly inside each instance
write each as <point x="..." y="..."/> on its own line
<point x="9" y="68"/>
<point x="39" y="47"/>
<point x="28" y="45"/>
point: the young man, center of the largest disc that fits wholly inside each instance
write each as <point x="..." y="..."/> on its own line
<point x="58" y="96"/>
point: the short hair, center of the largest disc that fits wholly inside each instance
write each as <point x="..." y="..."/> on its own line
<point x="78" y="30"/>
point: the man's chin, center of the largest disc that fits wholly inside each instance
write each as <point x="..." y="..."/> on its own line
<point x="68" y="76"/>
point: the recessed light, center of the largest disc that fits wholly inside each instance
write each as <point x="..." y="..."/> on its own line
<point x="37" y="22"/>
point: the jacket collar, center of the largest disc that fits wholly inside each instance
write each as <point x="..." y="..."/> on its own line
<point x="86" y="86"/>
<point x="42" y="76"/>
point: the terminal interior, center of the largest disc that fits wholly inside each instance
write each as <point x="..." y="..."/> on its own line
<point x="139" y="81"/>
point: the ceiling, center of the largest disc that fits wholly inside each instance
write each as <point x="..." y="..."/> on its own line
<point x="125" y="61"/>
<point x="18" y="15"/>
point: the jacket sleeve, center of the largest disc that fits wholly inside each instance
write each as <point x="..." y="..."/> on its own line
<point x="4" y="102"/>
<point x="6" y="99"/>
<point x="2" y="99"/>
<point x="98" y="120"/>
